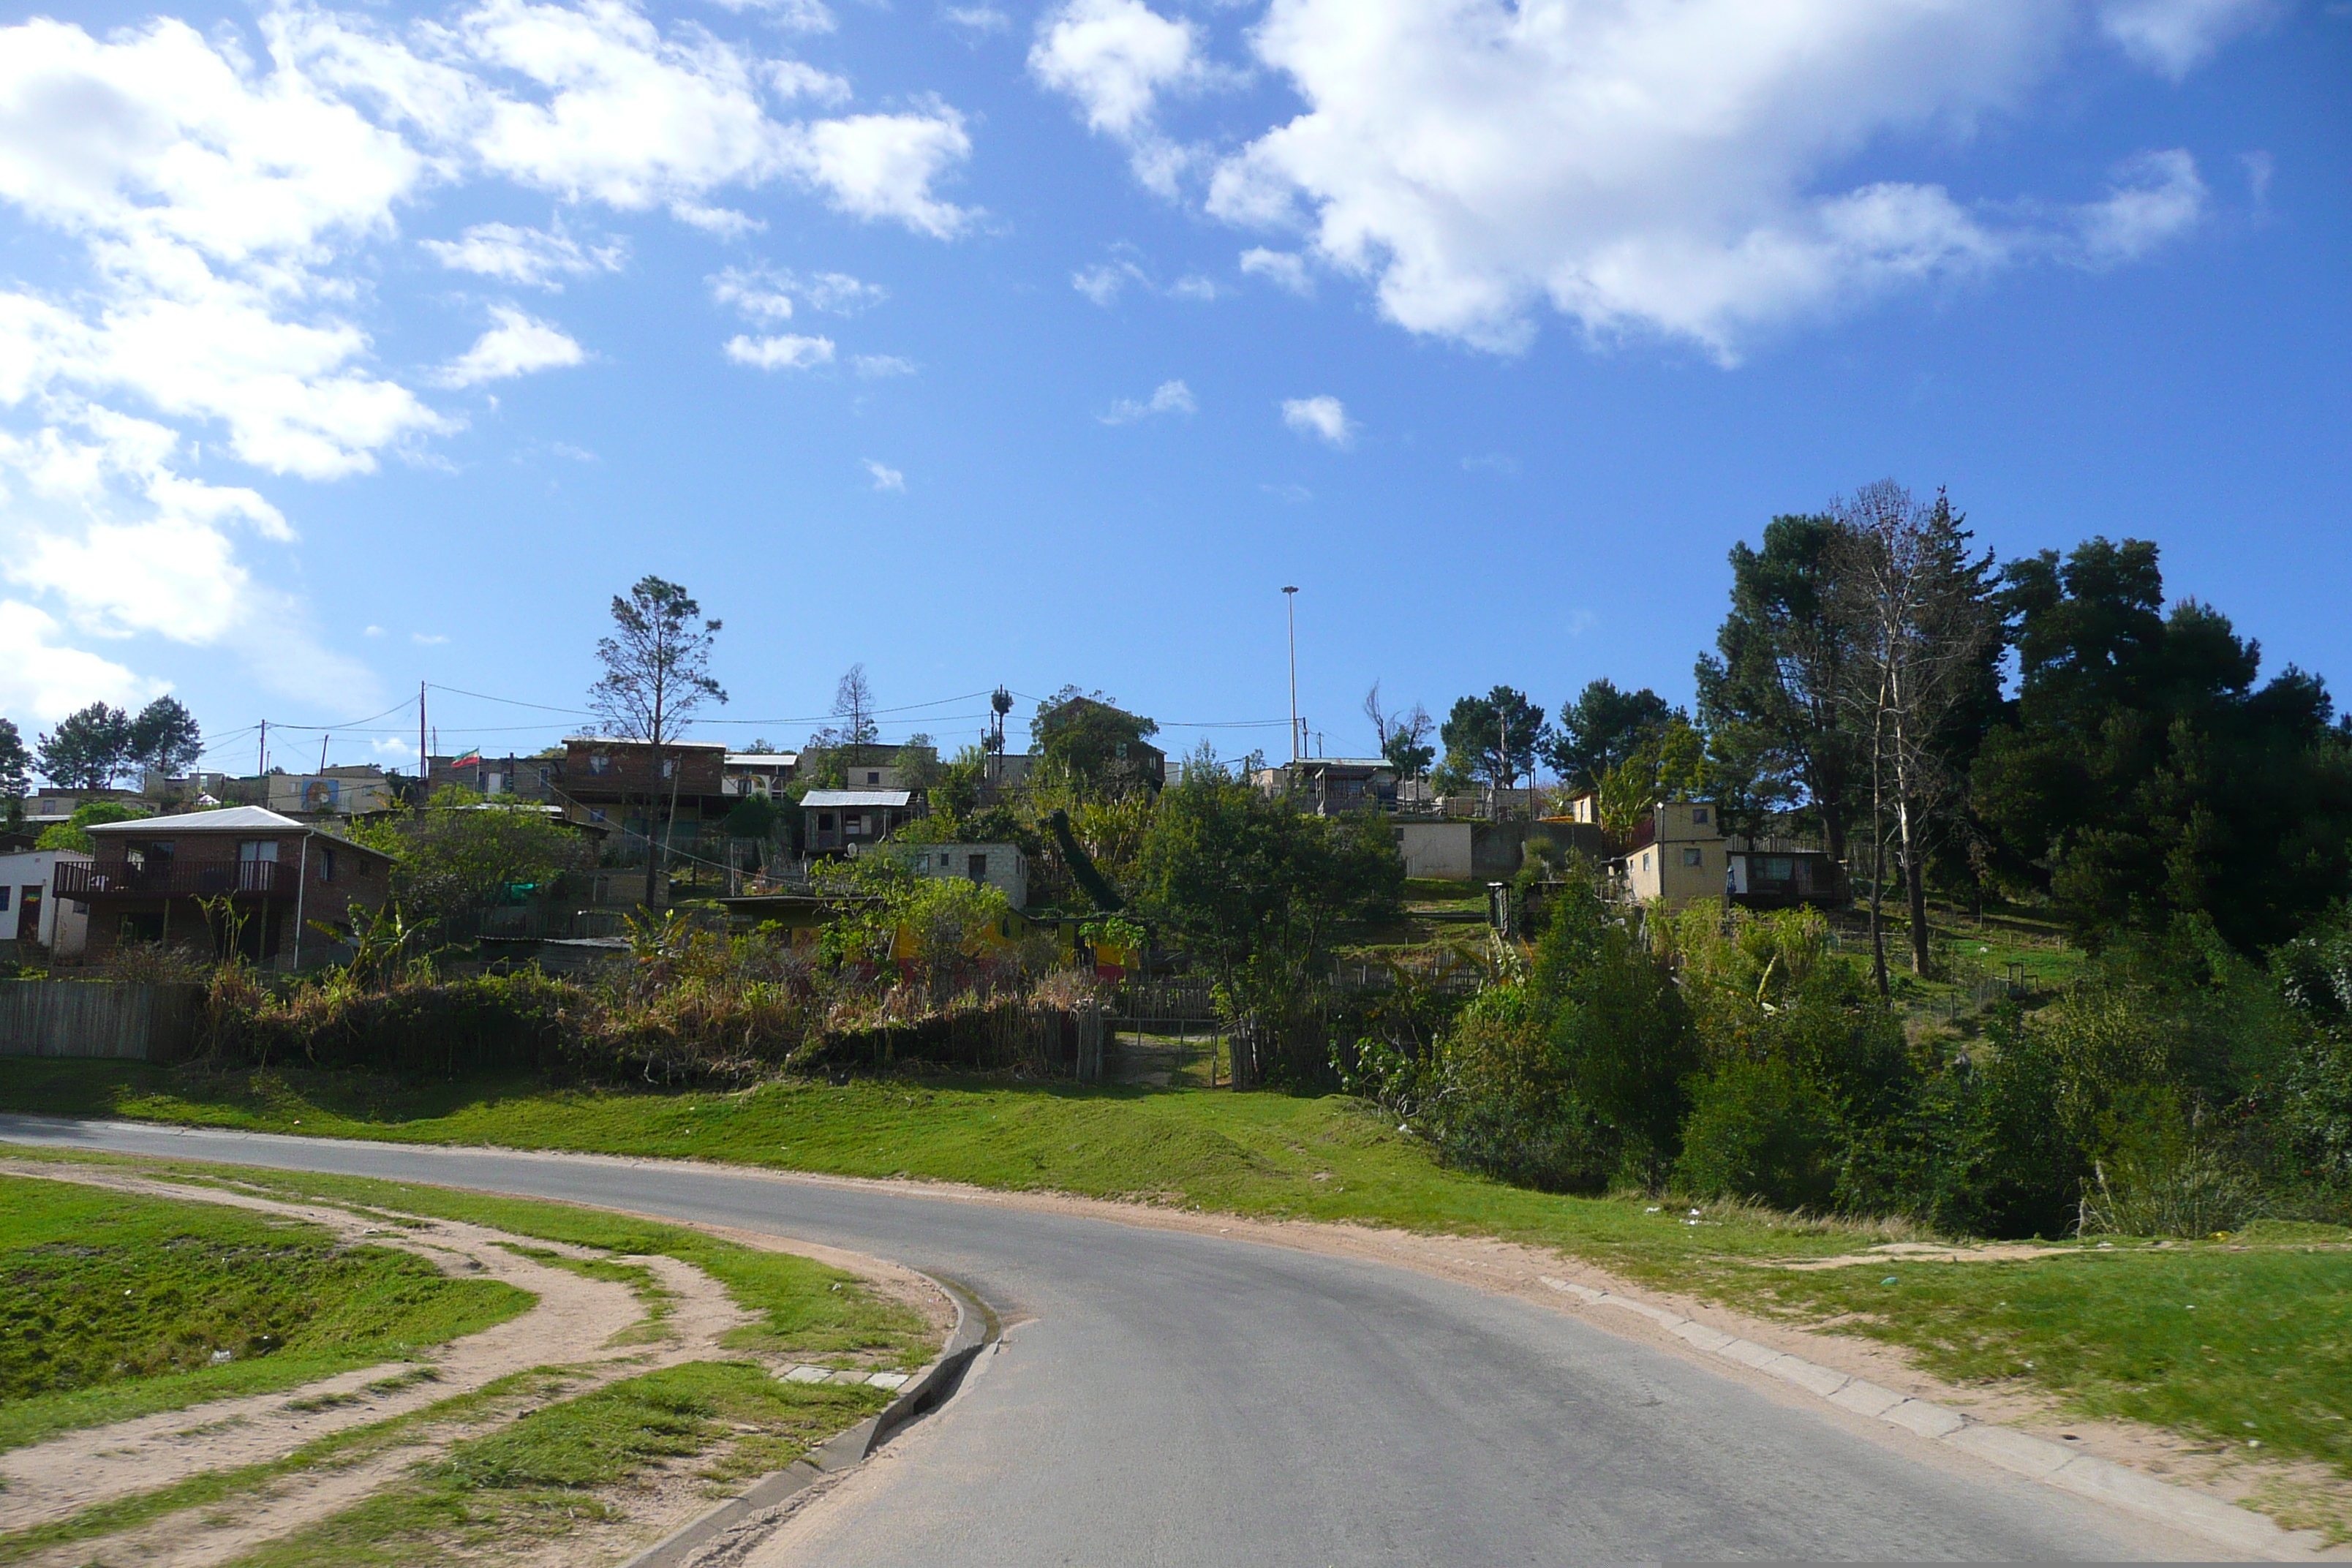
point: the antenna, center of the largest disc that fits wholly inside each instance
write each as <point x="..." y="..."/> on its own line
<point x="1290" y="598"/>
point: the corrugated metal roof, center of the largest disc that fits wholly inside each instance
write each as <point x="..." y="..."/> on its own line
<point x="889" y="797"/>
<point x="228" y="819"/>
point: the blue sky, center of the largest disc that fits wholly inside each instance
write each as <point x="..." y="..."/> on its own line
<point x="342" y="349"/>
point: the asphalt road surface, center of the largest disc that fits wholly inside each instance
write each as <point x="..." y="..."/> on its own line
<point x="1181" y="1399"/>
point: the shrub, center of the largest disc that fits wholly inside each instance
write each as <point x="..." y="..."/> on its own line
<point x="2159" y="1177"/>
<point x="1762" y="1131"/>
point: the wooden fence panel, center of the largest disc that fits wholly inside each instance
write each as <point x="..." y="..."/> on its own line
<point x="98" y="1019"/>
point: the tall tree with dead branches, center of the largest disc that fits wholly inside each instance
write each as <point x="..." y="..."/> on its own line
<point x="1924" y="635"/>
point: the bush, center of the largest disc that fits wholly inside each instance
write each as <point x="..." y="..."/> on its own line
<point x="1505" y="1105"/>
<point x="2159" y="1177"/>
<point x="1762" y="1131"/>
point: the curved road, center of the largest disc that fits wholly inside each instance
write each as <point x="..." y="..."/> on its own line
<point x="1179" y="1399"/>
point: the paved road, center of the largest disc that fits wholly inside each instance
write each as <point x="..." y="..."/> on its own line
<point x="1184" y="1399"/>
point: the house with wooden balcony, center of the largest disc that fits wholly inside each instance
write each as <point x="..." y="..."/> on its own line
<point x="242" y="880"/>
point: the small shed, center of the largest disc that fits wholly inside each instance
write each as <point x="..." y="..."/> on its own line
<point x="840" y="821"/>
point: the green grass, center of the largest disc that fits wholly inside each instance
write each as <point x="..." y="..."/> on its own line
<point x="116" y="1305"/>
<point x="2270" y="1336"/>
<point x="537" y="1478"/>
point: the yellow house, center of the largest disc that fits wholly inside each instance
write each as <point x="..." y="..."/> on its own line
<point x="1678" y="854"/>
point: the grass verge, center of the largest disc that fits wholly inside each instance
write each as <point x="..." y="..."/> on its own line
<point x="118" y="1306"/>
<point x="540" y="1476"/>
<point x="2262" y="1331"/>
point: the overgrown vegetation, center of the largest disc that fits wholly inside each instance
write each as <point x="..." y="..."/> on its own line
<point x="2180" y="1089"/>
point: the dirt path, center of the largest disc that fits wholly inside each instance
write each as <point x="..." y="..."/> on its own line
<point x="595" y="1330"/>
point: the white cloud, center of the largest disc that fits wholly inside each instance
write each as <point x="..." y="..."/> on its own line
<point x="101" y="522"/>
<point x="1117" y="59"/>
<point x="797" y="16"/>
<point x="883" y="166"/>
<point x="1192" y="285"/>
<point x="756" y="292"/>
<point x="719" y="223"/>
<point x="1102" y="283"/>
<point x="766" y="294"/>
<point x="786" y="352"/>
<point x="1324" y="417"/>
<point x="2157" y="199"/>
<point x="219" y="213"/>
<point x="1168" y="397"/>
<point x="1502" y="465"/>
<point x="426" y="639"/>
<point x="875" y="367"/>
<point x="372" y="632"/>
<point x="979" y="19"/>
<point x="886" y="478"/>
<point x="2175" y="36"/>
<point x="43" y="680"/>
<point x="534" y="257"/>
<point x="1283" y="269"/>
<point x="1296" y="495"/>
<point x="518" y="345"/>
<point x="1639" y="167"/>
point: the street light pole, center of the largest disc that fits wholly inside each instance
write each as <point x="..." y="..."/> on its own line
<point x="1290" y="598"/>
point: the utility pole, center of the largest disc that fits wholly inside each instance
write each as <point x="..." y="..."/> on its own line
<point x="1290" y="598"/>
<point x="424" y="759"/>
<point x="261" y="762"/>
<point x="322" y="751"/>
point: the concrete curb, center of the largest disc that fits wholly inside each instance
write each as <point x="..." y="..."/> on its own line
<point x="2085" y="1475"/>
<point x="975" y="1329"/>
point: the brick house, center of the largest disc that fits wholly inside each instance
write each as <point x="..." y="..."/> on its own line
<point x="611" y="783"/>
<point x="172" y="879"/>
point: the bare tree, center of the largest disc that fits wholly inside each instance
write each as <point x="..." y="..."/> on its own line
<point x="656" y="677"/>
<point x="1381" y="721"/>
<point x="852" y="704"/>
<point x="1916" y="607"/>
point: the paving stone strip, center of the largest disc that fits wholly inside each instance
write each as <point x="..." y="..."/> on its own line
<point x="2085" y="1475"/>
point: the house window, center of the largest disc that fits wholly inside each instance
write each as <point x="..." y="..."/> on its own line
<point x="596" y="814"/>
<point x="1698" y="817"/>
<point x="1646" y="859"/>
<point x="543" y="778"/>
<point x="824" y="822"/>
<point x="669" y="766"/>
<point x="976" y="867"/>
<point x="326" y="865"/>
<point x="600" y="764"/>
<point x="873" y="778"/>
<point x="1694" y="857"/>
<point x="3" y="894"/>
<point x="943" y="861"/>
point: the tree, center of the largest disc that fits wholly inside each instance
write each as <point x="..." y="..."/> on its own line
<point x="853" y="706"/>
<point x="1404" y="737"/>
<point x="1602" y="729"/>
<point x="459" y="856"/>
<point x="71" y="835"/>
<point x="2143" y="773"/>
<point x="1670" y="763"/>
<point x="1769" y="701"/>
<point x="1917" y="614"/>
<point x="1495" y="738"/>
<point x="164" y="738"/>
<point x="16" y="769"/>
<point x="1254" y="892"/>
<point x="87" y="750"/>
<point x="656" y="677"/>
<point x="1088" y="739"/>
